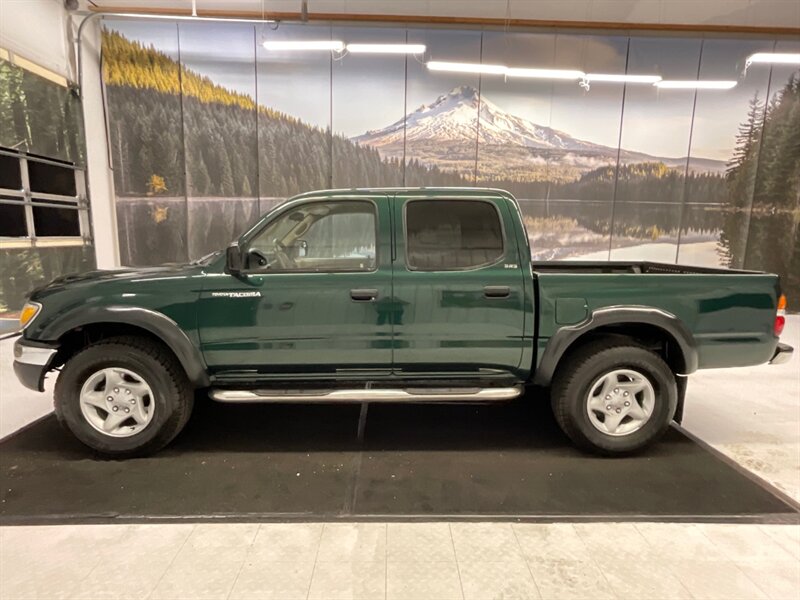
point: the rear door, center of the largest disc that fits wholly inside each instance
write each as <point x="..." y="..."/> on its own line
<point x="458" y="288"/>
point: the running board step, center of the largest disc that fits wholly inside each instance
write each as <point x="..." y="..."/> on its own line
<point x="494" y="394"/>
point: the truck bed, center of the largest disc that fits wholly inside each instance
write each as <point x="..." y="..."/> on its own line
<point x="643" y="267"/>
<point x="731" y="313"/>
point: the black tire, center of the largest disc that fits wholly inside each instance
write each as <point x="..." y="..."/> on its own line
<point x="583" y="367"/>
<point x="172" y="394"/>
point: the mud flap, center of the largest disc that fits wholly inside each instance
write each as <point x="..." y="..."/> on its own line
<point x="682" y="382"/>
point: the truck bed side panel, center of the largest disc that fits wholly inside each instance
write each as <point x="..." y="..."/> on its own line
<point x="731" y="316"/>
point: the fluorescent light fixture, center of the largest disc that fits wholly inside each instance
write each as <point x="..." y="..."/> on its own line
<point x="622" y="78"/>
<point x="504" y="70"/>
<point x="696" y="84"/>
<point x="780" y="58"/>
<point x="454" y="67"/>
<point x="327" y="45"/>
<point x="545" y="73"/>
<point x="386" y="48"/>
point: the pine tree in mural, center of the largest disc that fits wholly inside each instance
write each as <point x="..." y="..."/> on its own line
<point x="156" y="185"/>
<point x="742" y="166"/>
<point x="741" y="175"/>
<point x="763" y="230"/>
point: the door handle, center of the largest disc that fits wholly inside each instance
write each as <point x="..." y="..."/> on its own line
<point x="364" y="295"/>
<point x="496" y="291"/>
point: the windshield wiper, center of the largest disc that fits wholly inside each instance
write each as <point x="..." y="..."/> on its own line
<point x="205" y="259"/>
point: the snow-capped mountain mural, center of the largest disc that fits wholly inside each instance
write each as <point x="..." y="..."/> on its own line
<point x="444" y="133"/>
<point x="454" y="116"/>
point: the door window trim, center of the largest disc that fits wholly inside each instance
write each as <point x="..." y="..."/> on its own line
<point x="306" y="201"/>
<point x="489" y="201"/>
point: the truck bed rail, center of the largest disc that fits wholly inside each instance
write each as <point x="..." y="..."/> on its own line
<point x="643" y="267"/>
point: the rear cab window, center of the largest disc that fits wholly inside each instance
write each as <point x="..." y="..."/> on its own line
<point x="452" y="235"/>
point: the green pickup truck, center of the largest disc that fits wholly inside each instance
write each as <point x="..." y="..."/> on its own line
<point x="391" y="295"/>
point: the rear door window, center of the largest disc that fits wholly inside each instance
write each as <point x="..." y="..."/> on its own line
<point x="448" y="235"/>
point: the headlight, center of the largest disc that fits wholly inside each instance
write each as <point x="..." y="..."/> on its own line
<point x="28" y="314"/>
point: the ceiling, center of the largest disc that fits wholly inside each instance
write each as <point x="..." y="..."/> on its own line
<point x="741" y="13"/>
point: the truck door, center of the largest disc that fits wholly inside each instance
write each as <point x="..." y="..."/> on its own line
<point x="312" y="296"/>
<point x="458" y="288"/>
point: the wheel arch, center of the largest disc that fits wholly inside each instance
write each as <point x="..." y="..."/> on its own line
<point x="644" y="324"/>
<point x="101" y="322"/>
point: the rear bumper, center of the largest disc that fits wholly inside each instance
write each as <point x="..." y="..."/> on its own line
<point x="783" y="353"/>
<point x="32" y="361"/>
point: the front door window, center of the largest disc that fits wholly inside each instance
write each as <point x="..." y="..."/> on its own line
<point x="317" y="237"/>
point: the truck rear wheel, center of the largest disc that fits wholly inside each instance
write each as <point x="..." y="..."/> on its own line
<point x="614" y="397"/>
<point x="124" y="396"/>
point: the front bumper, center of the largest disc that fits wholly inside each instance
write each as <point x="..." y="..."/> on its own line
<point x="783" y="353"/>
<point x="32" y="362"/>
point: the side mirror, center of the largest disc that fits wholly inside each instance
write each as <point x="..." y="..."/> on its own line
<point x="233" y="259"/>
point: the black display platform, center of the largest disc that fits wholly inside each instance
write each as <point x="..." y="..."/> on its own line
<point x="251" y="462"/>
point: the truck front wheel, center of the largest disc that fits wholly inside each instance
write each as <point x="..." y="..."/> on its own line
<point x="124" y="396"/>
<point x="614" y="397"/>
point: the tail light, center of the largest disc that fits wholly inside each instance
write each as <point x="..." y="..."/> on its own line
<point x="780" y="317"/>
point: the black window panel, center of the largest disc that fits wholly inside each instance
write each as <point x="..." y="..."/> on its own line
<point x="49" y="222"/>
<point x="12" y="220"/>
<point x="51" y="179"/>
<point x="10" y="176"/>
<point x="452" y="234"/>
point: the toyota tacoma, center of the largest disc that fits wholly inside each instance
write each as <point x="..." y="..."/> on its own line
<point x="391" y="295"/>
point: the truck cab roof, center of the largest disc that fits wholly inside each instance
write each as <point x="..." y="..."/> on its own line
<point x="465" y="193"/>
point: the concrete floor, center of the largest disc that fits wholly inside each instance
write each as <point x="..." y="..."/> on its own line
<point x="18" y="405"/>
<point x="411" y="561"/>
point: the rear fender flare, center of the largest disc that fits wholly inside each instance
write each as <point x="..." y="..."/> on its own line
<point x="565" y="337"/>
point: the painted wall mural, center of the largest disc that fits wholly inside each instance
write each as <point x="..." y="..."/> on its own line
<point x="209" y="129"/>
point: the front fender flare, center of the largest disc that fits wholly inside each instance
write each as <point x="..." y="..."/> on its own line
<point x="160" y="325"/>
<point x="565" y="337"/>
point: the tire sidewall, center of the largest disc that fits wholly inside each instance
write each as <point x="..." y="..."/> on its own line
<point x="91" y="360"/>
<point x="638" y="359"/>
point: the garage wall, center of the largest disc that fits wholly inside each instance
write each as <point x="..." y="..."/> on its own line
<point x="209" y="129"/>
<point x="36" y="29"/>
